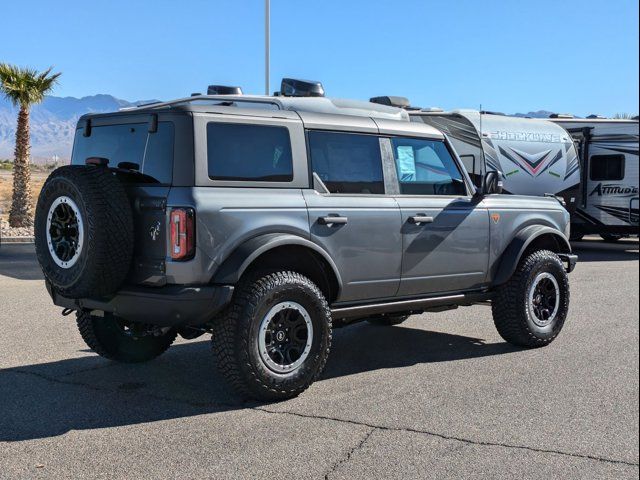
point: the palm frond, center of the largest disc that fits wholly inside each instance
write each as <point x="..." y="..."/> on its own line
<point x="25" y="86"/>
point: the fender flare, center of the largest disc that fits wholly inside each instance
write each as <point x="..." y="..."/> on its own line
<point x="513" y="253"/>
<point x="241" y="258"/>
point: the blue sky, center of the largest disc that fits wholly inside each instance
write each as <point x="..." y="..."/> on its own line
<point x="513" y="56"/>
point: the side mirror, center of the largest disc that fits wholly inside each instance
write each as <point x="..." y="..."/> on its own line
<point x="493" y="182"/>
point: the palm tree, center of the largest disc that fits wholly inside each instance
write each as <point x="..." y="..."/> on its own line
<point x="23" y="87"/>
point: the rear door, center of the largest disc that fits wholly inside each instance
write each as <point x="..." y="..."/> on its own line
<point x="353" y="219"/>
<point x="141" y="150"/>
<point x="445" y="231"/>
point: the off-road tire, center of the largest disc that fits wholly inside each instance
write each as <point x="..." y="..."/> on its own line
<point x="235" y="336"/>
<point x="107" y="244"/>
<point x="509" y="306"/>
<point x="387" y="320"/>
<point x="104" y="336"/>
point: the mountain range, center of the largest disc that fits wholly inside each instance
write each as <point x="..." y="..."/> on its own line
<point x="53" y="123"/>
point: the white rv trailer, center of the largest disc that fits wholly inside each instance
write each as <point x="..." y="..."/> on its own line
<point x="608" y="151"/>
<point x="537" y="157"/>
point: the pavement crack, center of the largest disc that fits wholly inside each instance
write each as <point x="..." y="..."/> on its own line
<point x="455" y="438"/>
<point x="373" y="427"/>
<point x="350" y="453"/>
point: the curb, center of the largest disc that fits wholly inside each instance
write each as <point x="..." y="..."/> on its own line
<point x="16" y="240"/>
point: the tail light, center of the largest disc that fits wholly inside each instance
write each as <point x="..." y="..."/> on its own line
<point x="182" y="233"/>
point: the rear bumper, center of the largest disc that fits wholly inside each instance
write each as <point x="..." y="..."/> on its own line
<point x="172" y="305"/>
<point x="570" y="259"/>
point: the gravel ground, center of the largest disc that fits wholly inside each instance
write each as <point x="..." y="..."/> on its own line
<point x="14" y="232"/>
<point x="441" y="396"/>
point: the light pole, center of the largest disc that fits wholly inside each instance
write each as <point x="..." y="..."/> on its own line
<point x="267" y="14"/>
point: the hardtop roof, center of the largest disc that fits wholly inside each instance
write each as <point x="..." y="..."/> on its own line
<point x="323" y="110"/>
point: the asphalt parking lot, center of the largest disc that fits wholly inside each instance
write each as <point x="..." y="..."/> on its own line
<point x="441" y="396"/>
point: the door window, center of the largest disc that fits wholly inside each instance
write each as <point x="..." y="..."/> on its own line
<point x="426" y="167"/>
<point x="607" y="167"/>
<point x="347" y="162"/>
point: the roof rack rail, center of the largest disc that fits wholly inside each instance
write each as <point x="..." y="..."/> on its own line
<point x="226" y="99"/>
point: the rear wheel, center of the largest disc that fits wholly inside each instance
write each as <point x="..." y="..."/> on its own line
<point x="531" y="308"/>
<point x="117" y="339"/>
<point x="274" y="339"/>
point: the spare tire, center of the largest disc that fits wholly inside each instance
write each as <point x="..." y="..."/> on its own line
<point x="84" y="231"/>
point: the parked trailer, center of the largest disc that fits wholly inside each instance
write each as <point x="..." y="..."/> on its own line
<point x="608" y="152"/>
<point x="537" y="157"/>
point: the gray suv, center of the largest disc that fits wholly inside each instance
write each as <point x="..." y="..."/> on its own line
<point x="267" y="221"/>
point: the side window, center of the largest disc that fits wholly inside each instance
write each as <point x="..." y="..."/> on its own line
<point x="132" y="143"/>
<point x="259" y="153"/>
<point x="607" y="167"/>
<point x="347" y="162"/>
<point x="425" y="167"/>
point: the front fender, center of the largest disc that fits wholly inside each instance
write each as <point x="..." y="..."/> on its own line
<point x="514" y="251"/>
<point x="239" y="260"/>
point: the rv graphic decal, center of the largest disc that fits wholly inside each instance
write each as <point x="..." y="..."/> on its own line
<point x="526" y="136"/>
<point x="628" y="215"/>
<point x="612" y="189"/>
<point x="532" y="163"/>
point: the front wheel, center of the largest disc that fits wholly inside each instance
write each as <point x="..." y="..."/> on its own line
<point x="117" y="339"/>
<point x="274" y="339"/>
<point x="531" y="308"/>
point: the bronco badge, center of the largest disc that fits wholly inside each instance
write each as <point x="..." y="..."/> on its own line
<point x="154" y="231"/>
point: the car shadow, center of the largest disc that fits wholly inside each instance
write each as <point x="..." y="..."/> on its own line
<point x="50" y="399"/>
<point x="595" y="250"/>
<point x="18" y="260"/>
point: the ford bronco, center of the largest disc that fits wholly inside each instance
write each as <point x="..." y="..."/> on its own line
<point x="268" y="220"/>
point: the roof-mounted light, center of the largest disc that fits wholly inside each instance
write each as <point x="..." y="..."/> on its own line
<point x="223" y="90"/>
<point x="292" y="87"/>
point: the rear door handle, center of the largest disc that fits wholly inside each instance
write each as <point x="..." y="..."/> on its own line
<point x="417" y="219"/>
<point x="332" y="220"/>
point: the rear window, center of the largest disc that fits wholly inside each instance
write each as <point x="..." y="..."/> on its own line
<point x="347" y="162"/>
<point x="607" y="167"/>
<point x="259" y="153"/>
<point x="132" y="143"/>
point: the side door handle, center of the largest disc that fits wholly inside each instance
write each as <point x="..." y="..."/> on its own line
<point x="418" y="219"/>
<point x="332" y="220"/>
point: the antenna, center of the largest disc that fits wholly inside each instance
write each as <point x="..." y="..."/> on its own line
<point x="267" y="21"/>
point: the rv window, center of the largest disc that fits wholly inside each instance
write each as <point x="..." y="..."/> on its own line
<point x="425" y="167"/>
<point x="607" y="167"/>
<point x="347" y="162"/>
<point x="249" y="152"/>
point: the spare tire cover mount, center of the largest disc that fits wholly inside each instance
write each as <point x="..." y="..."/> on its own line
<point x="65" y="232"/>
